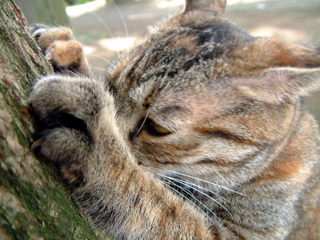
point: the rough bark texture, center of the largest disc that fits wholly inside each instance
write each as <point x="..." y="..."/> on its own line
<point x="34" y="202"/>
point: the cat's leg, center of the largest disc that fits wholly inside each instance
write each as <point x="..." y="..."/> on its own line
<point x="78" y="130"/>
<point x="61" y="49"/>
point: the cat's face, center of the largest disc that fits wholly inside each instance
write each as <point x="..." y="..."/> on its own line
<point x="183" y="104"/>
<point x="202" y="105"/>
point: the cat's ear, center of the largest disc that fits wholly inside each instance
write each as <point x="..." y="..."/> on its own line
<point x="280" y="85"/>
<point x="215" y="5"/>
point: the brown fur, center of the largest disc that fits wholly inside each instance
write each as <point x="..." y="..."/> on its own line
<point x="58" y="44"/>
<point x="197" y="133"/>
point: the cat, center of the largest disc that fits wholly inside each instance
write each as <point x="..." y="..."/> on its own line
<point x="196" y="133"/>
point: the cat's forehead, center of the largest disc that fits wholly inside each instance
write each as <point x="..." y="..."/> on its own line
<point x="184" y="57"/>
<point x="181" y="48"/>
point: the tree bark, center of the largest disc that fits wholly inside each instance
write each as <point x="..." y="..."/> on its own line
<point x="34" y="202"/>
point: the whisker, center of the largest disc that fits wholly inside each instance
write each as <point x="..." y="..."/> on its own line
<point x="101" y="69"/>
<point x="198" y="186"/>
<point x="144" y="121"/>
<point x="201" y="180"/>
<point x="214" y="200"/>
<point x="205" y="181"/>
<point x="121" y="17"/>
<point x="106" y="26"/>
<point x="201" y="192"/>
<point x="97" y="56"/>
<point x="193" y="197"/>
<point x="189" y="184"/>
<point x="223" y="178"/>
<point x="184" y="197"/>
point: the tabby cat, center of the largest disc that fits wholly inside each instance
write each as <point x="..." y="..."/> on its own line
<point x="197" y="133"/>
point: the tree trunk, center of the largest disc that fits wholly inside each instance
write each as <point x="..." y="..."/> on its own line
<point x="34" y="202"/>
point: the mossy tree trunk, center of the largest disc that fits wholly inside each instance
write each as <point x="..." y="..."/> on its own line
<point x="34" y="202"/>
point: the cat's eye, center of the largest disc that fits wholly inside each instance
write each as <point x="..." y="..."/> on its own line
<point x="160" y="129"/>
<point x="155" y="129"/>
<point x="151" y="128"/>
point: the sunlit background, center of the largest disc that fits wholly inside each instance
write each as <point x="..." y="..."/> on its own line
<point x="108" y="27"/>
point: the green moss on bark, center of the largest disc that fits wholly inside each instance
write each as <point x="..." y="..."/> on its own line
<point x="34" y="202"/>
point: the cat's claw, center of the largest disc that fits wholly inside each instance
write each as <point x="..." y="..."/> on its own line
<point x="36" y="144"/>
<point x="49" y="55"/>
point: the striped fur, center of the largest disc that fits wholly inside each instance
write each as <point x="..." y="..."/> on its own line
<point x="197" y="133"/>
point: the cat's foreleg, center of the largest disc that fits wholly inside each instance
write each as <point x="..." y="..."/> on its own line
<point x="78" y="130"/>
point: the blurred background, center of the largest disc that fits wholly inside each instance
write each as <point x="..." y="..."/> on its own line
<point x="107" y="27"/>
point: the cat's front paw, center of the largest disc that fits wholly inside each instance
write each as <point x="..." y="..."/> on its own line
<point x="66" y="111"/>
<point x="60" y="48"/>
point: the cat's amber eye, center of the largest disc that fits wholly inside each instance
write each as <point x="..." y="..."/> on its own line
<point x="156" y="129"/>
<point x="151" y="128"/>
<point x="160" y="129"/>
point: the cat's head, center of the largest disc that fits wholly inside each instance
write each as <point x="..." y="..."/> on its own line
<point x="202" y="97"/>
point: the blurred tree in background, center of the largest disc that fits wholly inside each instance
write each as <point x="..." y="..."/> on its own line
<point x="45" y="11"/>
